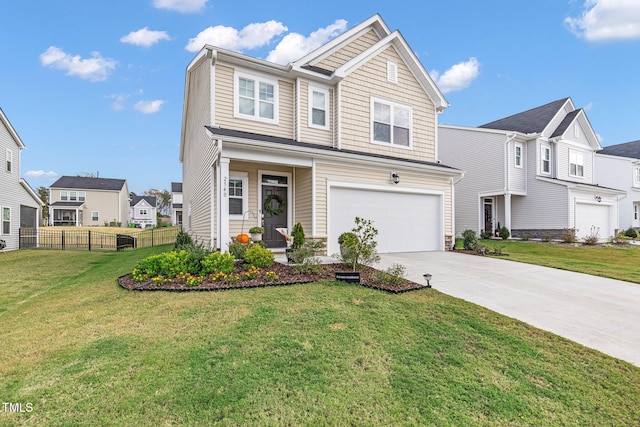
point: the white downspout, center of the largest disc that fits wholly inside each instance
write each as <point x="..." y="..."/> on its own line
<point x="507" y="193"/>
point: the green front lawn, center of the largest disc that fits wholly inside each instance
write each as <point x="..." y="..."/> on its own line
<point x="613" y="261"/>
<point x="82" y="351"/>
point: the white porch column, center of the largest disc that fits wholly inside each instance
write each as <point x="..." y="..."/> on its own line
<point x="507" y="211"/>
<point x="223" y="212"/>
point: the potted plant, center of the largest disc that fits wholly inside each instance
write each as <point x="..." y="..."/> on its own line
<point x="256" y="233"/>
<point x="297" y="234"/>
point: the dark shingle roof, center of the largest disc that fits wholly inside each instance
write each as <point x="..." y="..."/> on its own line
<point x="176" y="187"/>
<point x="564" y="124"/>
<point x="67" y="204"/>
<point x="628" y="149"/>
<point x="293" y="142"/>
<point x="530" y="121"/>
<point x="87" y="183"/>
<point x="150" y="199"/>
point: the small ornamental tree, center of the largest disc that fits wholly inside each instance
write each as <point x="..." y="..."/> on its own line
<point x="360" y="246"/>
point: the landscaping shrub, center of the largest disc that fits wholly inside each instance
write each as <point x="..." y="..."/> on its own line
<point x="238" y="249"/>
<point x="631" y="232"/>
<point x="297" y="233"/>
<point x="504" y="233"/>
<point x="218" y="262"/>
<point x="182" y="239"/>
<point x="593" y="237"/>
<point x="258" y="256"/>
<point x="393" y="275"/>
<point x="486" y="235"/>
<point x="168" y="264"/>
<point x="469" y="240"/>
<point x="305" y="258"/>
<point x="360" y="246"/>
<point x="569" y="235"/>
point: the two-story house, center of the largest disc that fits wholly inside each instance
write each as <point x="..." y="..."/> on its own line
<point x="88" y="201"/>
<point x="176" y="203"/>
<point x="20" y="206"/>
<point x="143" y="211"/>
<point x="619" y="166"/>
<point x="348" y="130"/>
<point x="532" y="172"/>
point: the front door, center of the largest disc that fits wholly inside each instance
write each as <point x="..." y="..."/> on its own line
<point x="488" y="215"/>
<point x="274" y="211"/>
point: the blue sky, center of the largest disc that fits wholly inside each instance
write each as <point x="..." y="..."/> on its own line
<point x="97" y="87"/>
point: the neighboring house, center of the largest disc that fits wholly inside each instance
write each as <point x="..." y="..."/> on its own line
<point x="532" y="172"/>
<point x="619" y="166"/>
<point x="143" y="211"/>
<point x="176" y="203"/>
<point x="348" y="130"/>
<point x="88" y="201"/>
<point x="20" y="206"/>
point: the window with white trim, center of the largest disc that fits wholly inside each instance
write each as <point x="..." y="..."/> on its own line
<point x="238" y="194"/>
<point x="636" y="211"/>
<point x="318" y="108"/>
<point x="637" y="176"/>
<point x="576" y="163"/>
<point x="518" y="154"/>
<point x="390" y="123"/>
<point x="73" y="196"/>
<point x="6" y="220"/>
<point x="95" y="216"/>
<point x="256" y="97"/>
<point x="545" y="165"/>
<point x="82" y="196"/>
<point x="64" y="196"/>
<point x="143" y="212"/>
<point x="9" y="160"/>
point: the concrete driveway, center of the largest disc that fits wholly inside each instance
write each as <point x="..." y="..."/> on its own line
<point x="599" y="313"/>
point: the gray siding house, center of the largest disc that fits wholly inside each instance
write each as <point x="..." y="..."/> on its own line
<point x="20" y="206"/>
<point x="88" y="201"/>
<point x="532" y="172"/>
<point x="619" y="166"/>
<point x="143" y="211"/>
<point x="348" y="130"/>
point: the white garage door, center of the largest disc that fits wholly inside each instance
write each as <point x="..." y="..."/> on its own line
<point x="406" y="222"/>
<point x="591" y="215"/>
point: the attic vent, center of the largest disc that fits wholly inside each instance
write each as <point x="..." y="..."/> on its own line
<point x="392" y="72"/>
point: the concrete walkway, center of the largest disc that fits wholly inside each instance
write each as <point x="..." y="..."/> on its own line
<point x="599" y="313"/>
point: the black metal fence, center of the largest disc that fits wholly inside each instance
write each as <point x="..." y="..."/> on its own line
<point x="84" y="239"/>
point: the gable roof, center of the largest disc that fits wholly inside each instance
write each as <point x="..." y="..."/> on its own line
<point x="12" y="131"/>
<point x="88" y="183"/>
<point x="534" y="120"/>
<point x="627" y="149"/>
<point x="149" y="199"/>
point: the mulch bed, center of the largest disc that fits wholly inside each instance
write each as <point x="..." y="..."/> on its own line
<point x="286" y="276"/>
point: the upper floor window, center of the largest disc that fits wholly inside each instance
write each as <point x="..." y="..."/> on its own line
<point x="64" y="195"/>
<point x="143" y="212"/>
<point x="518" y="155"/>
<point x="73" y="196"/>
<point x="318" y="107"/>
<point x="546" y="159"/>
<point x="576" y="163"/>
<point x="256" y="98"/>
<point x="390" y="123"/>
<point x="82" y="196"/>
<point x="637" y="175"/>
<point x="6" y="220"/>
<point x="9" y="160"/>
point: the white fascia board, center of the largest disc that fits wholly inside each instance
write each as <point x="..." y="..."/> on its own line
<point x="31" y="192"/>
<point x="375" y="22"/>
<point x="11" y="130"/>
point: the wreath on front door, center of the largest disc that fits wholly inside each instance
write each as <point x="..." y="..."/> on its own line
<point x="270" y="209"/>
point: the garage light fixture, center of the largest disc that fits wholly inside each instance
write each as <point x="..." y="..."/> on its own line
<point x="598" y="199"/>
<point x="395" y="177"/>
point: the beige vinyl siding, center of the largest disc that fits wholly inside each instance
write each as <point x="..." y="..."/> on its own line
<point x="365" y="175"/>
<point x="199" y="156"/>
<point x="111" y="205"/>
<point x="371" y="80"/>
<point x="309" y="134"/>
<point x="350" y="51"/>
<point x="224" y="116"/>
<point x="303" y="199"/>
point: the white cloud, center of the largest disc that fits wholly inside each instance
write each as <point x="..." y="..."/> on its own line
<point x="95" y="68"/>
<point x="40" y="174"/>
<point x="250" y="37"/>
<point x="294" y="46"/>
<point x="148" y="107"/>
<point x="145" y="37"/>
<point x="607" y="20"/>
<point x="118" y="101"/>
<point x="182" y="6"/>
<point x="457" y="77"/>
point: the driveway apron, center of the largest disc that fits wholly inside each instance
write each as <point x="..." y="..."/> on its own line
<point x="600" y="313"/>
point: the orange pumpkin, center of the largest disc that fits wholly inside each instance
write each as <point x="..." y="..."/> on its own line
<point x="242" y="238"/>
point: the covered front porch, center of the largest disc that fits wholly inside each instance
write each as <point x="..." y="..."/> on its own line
<point x="67" y="213"/>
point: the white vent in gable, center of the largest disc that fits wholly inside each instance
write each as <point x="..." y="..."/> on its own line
<point x="392" y="72"/>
